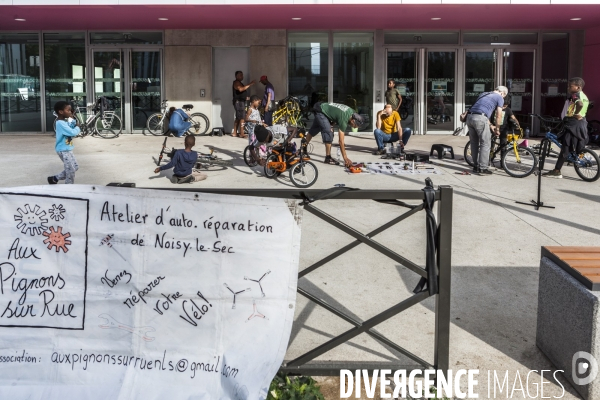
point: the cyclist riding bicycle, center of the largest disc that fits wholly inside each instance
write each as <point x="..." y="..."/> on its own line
<point x="575" y="136"/>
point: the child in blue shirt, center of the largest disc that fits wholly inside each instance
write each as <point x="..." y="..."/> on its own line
<point x="65" y="131"/>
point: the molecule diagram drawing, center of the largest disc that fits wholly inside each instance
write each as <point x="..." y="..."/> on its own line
<point x="235" y="293"/>
<point x="258" y="281"/>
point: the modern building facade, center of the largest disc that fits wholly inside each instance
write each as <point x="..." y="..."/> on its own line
<point x="441" y="53"/>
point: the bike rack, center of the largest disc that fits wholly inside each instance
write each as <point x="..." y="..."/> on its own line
<point x="435" y="277"/>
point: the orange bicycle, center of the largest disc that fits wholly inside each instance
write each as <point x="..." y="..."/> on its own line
<point x="303" y="173"/>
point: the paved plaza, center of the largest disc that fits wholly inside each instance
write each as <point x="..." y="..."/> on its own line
<point x="495" y="256"/>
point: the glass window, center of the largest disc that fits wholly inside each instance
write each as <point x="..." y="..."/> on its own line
<point x="504" y="39"/>
<point x="353" y="72"/>
<point x="441" y="67"/>
<point x="421" y="38"/>
<point x="401" y="67"/>
<point x="518" y="75"/>
<point x="308" y="65"/>
<point x="20" y="106"/>
<point x="64" y="70"/>
<point x="480" y="70"/>
<point x="126" y="38"/>
<point x="555" y="64"/>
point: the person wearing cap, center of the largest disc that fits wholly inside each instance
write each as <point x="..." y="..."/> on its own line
<point x="478" y="122"/>
<point x="325" y="115"/>
<point x="389" y="128"/>
<point x="268" y="100"/>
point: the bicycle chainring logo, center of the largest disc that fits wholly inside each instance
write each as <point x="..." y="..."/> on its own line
<point x="584" y="368"/>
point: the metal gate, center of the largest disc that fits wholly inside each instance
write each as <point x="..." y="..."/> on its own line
<point x="435" y="277"/>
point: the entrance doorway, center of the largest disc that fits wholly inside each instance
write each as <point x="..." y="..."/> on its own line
<point x="441" y="83"/>
<point x="131" y="79"/>
<point x="227" y="60"/>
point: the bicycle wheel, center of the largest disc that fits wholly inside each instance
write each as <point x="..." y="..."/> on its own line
<point x="248" y="159"/>
<point x="587" y="166"/>
<point x="521" y="163"/>
<point x="271" y="172"/>
<point x="403" y="113"/>
<point x="155" y="124"/>
<point x="108" y="126"/>
<point x="200" y="124"/>
<point x="304" y="174"/>
<point x="467" y="154"/>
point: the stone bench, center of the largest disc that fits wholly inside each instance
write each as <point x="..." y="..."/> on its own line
<point x="568" y="316"/>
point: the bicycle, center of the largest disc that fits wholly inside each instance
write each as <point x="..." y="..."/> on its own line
<point x="517" y="161"/>
<point x="586" y="163"/>
<point x="289" y="113"/>
<point x="155" y="122"/>
<point x="205" y="160"/>
<point x="405" y="107"/>
<point x="549" y="124"/>
<point x="284" y="155"/>
<point x="106" y="124"/>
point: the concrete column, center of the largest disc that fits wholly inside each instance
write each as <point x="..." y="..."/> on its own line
<point x="270" y="61"/>
<point x="188" y="70"/>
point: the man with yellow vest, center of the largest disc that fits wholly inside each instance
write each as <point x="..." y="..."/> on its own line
<point x="575" y="136"/>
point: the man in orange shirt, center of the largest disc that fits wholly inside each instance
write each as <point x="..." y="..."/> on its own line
<point x="388" y="128"/>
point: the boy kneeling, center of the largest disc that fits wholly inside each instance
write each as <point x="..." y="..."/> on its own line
<point x="183" y="162"/>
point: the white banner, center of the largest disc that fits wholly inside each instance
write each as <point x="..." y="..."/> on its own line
<point x="114" y="293"/>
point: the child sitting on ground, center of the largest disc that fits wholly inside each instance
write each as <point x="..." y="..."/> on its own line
<point x="65" y="131"/>
<point x="183" y="162"/>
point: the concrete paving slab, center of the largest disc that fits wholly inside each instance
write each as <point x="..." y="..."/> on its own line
<point x="495" y="254"/>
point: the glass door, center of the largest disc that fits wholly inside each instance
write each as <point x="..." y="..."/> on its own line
<point x="20" y="101"/>
<point x="440" y="91"/>
<point x="402" y="68"/>
<point x="108" y="78"/>
<point x="145" y="83"/>
<point x="480" y="74"/>
<point x="518" y="70"/>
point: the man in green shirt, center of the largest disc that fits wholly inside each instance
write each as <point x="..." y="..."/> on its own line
<point x="575" y="136"/>
<point x="327" y="114"/>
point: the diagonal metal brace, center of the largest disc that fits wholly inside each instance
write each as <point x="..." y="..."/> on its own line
<point x="352" y="245"/>
<point x="374" y="334"/>
<point x="368" y="324"/>
<point x="366" y="240"/>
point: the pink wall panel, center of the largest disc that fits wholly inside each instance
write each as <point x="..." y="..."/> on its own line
<point x="591" y="69"/>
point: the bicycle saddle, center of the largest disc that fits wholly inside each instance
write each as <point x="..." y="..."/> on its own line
<point x="187" y="106"/>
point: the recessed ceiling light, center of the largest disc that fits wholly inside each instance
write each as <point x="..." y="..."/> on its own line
<point x="20" y="19"/>
<point x="435" y="19"/>
<point x="163" y="19"/>
<point x="296" y="19"/>
<point x="575" y="19"/>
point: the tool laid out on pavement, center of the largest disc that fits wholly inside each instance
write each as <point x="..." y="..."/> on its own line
<point x="465" y="172"/>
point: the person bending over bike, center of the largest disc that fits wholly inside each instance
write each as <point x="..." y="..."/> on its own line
<point x="575" y="136"/>
<point x="183" y="162"/>
<point x="178" y="121"/>
<point x="325" y="115"/>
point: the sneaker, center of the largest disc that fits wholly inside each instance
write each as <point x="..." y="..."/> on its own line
<point x="476" y="170"/>
<point x="187" y="179"/>
<point x="52" y="180"/>
<point x="379" y="152"/>
<point x="553" y="174"/>
<point x="485" y="172"/>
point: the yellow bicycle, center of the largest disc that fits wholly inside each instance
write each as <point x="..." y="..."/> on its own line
<point x="289" y="113"/>
<point x="517" y="160"/>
